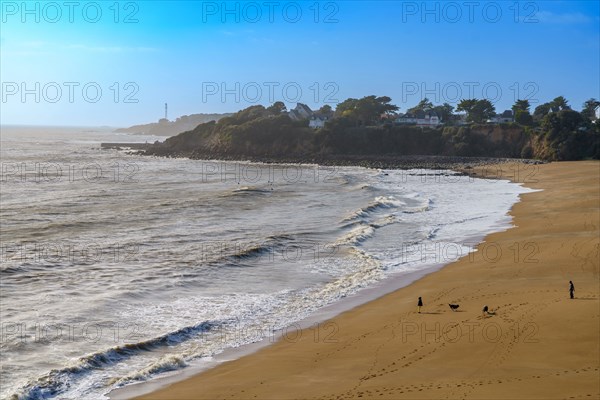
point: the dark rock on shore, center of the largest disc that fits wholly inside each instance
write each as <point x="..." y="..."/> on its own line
<point x="372" y="161"/>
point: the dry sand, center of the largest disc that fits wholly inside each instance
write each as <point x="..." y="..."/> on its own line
<point x="538" y="344"/>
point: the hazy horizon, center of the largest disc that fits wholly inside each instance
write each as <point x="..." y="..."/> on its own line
<point x="97" y="64"/>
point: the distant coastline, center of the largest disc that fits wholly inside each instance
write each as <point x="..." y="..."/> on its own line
<point x="357" y="132"/>
<point x="164" y="127"/>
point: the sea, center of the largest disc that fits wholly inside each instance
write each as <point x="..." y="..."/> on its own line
<point x="118" y="268"/>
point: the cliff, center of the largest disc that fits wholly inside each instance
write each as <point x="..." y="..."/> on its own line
<point x="258" y="133"/>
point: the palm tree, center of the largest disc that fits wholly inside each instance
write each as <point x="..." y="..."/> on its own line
<point x="559" y="104"/>
<point x="589" y="108"/>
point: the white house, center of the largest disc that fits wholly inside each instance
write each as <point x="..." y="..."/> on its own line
<point x="426" y="118"/>
<point x="406" y="119"/>
<point x="506" y="116"/>
<point x="303" y="112"/>
<point x="429" y="120"/>
<point x="317" y="121"/>
<point x="300" y="112"/>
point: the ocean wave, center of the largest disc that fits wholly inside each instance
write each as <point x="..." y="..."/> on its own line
<point x="252" y="251"/>
<point x="380" y="203"/>
<point x="426" y="206"/>
<point x="268" y="247"/>
<point x="370" y="270"/>
<point x="365" y="186"/>
<point x="12" y="269"/>
<point x="250" y="189"/>
<point x="165" y="364"/>
<point x="58" y="380"/>
<point x="356" y="235"/>
<point x="247" y="191"/>
<point x="387" y="220"/>
<point x="346" y="179"/>
<point x="433" y="232"/>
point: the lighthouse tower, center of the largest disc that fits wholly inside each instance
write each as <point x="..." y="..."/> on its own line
<point x="166" y="112"/>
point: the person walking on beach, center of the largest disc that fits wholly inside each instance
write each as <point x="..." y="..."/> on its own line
<point x="572" y="289"/>
<point x="419" y="305"/>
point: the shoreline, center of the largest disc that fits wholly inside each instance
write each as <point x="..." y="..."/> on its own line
<point x="319" y="318"/>
<point x="329" y="312"/>
<point x="363" y="296"/>
<point x="565" y="347"/>
<point x="433" y="162"/>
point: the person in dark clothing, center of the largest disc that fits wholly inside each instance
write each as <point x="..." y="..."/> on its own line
<point x="420" y="304"/>
<point x="485" y="310"/>
<point x="572" y="289"/>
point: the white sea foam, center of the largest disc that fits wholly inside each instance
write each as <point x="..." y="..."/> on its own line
<point x="188" y="265"/>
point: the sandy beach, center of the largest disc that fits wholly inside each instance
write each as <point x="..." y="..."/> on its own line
<point x="536" y="342"/>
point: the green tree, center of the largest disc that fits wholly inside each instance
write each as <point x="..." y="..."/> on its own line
<point x="522" y="105"/>
<point x="559" y="104"/>
<point x="589" y="109"/>
<point x="466" y="105"/>
<point x="326" y="110"/>
<point x="477" y="110"/>
<point x="245" y="115"/>
<point x="383" y="105"/>
<point x="423" y="105"/>
<point x="365" y="111"/>
<point x="541" y="111"/>
<point x="523" y="117"/>
<point x="569" y="136"/>
<point x="561" y="122"/>
<point x="521" y="112"/>
<point x="277" y="108"/>
<point x="483" y="110"/>
<point x="444" y="112"/>
<point x="346" y="106"/>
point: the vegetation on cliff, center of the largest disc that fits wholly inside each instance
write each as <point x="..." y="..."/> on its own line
<point x="363" y="128"/>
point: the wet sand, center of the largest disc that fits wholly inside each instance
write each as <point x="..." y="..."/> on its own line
<point x="535" y="343"/>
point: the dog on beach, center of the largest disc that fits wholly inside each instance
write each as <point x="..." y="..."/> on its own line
<point x="453" y="307"/>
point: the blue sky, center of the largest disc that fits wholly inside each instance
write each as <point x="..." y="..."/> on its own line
<point x="117" y="62"/>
